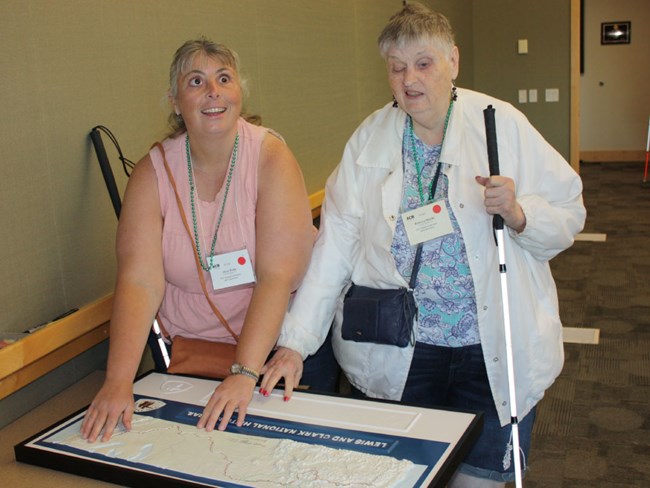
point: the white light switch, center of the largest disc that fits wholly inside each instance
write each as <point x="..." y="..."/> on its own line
<point x="552" y="94"/>
<point x="522" y="96"/>
<point x="522" y="46"/>
<point x="532" y="95"/>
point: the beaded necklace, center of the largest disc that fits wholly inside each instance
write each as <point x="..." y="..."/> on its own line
<point x="190" y="174"/>
<point x="416" y="158"/>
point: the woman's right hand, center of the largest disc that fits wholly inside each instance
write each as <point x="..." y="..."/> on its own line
<point x="112" y="403"/>
<point x="285" y="363"/>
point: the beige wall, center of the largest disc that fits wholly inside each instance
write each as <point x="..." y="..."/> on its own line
<point x="615" y="89"/>
<point x="70" y="65"/>
<point x="500" y="71"/>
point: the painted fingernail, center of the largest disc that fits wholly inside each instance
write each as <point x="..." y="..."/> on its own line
<point x="266" y="393"/>
<point x="286" y="399"/>
<point x="262" y="392"/>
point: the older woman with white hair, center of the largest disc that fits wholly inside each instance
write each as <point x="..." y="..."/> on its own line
<point x="410" y="206"/>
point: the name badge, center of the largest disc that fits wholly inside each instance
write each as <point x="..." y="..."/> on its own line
<point x="428" y="222"/>
<point x="231" y="269"/>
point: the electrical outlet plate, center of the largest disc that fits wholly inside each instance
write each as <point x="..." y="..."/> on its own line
<point x="522" y="96"/>
<point x="522" y="46"/>
<point x="552" y="95"/>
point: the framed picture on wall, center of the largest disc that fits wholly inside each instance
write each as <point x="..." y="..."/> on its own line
<point x="615" y="32"/>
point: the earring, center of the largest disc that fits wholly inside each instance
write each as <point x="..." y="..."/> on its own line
<point x="394" y="102"/>
<point x="454" y="94"/>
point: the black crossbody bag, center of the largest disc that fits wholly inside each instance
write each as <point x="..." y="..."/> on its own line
<point x="381" y="316"/>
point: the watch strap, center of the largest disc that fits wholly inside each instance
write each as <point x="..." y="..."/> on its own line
<point x="237" y="368"/>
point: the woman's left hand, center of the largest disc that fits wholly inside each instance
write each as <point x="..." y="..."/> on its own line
<point x="500" y="199"/>
<point x="234" y="393"/>
<point x="285" y="363"/>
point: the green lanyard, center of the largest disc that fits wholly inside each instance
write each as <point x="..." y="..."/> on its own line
<point x="233" y="159"/>
<point x="434" y="183"/>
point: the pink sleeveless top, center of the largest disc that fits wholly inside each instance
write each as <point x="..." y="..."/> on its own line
<point x="184" y="310"/>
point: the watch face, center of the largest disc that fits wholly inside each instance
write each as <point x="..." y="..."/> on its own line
<point x="235" y="368"/>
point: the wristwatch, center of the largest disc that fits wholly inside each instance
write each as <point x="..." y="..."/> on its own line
<point x="237" y="368"/>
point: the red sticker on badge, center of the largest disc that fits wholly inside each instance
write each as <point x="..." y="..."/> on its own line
<point x="241" y="260"/>
<point x="436" y="209"/>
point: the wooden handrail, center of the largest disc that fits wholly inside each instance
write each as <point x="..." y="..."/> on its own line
<point x="48" y="348"/>
<point x="316" y="201"/>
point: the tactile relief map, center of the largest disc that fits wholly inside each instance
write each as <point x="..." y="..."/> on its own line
<point x="242" y="459"/>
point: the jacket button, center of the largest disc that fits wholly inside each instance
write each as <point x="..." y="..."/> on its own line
<point x="462" y="205"/>
<point x="495" y="360"/>
<point x="392" y="218"/>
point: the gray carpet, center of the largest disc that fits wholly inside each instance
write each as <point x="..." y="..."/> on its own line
<point x="593" y="426"/>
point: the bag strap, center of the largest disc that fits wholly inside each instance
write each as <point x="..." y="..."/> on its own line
<point x="196" y="255"/>
<point x="418" y="252"/>
<point x="416" y="267"/>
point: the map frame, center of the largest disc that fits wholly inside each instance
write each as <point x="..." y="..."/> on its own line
<point x="456" y="431"/>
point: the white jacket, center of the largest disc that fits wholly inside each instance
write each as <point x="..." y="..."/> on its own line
<point x="359" y="214"/>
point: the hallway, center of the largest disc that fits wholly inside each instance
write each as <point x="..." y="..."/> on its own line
<point x="593" y="426"/>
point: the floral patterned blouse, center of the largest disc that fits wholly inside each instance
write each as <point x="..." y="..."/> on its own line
<point x="444" y="290"/>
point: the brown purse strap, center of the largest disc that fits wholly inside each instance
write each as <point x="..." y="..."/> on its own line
<point x="196" y="254"/>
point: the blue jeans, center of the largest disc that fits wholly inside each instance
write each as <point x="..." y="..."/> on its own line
<point x="455" y="377"/>
<point x="321" y="371"/>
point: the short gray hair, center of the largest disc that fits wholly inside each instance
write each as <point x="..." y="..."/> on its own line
<point x="413" y="23"/>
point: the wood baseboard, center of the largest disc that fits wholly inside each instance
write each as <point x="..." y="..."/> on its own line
<point x="48" y="348"/>
<point x="618" y="156"/>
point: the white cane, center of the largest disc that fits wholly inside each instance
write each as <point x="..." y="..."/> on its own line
<point x="161" y="342"/>
<point x="497" y="223"/>
<point x="647" y="155"/>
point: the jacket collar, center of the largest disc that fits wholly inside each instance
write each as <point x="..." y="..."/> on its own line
<point x="383" y="148"/>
